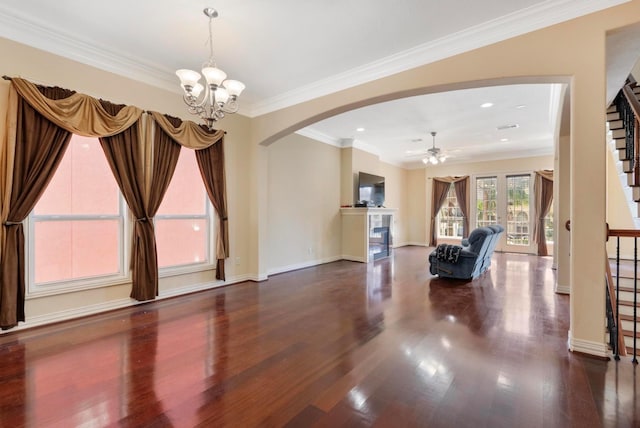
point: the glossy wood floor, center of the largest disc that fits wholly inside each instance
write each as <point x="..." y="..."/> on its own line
<point x="343" y="344"/>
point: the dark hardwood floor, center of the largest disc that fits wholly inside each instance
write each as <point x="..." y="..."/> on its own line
<point x="342" y="344"/>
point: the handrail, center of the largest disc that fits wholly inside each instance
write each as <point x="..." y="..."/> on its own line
<point x="631" y="98"/>
<point x="624" y="233"/>
<point x="632" y="126"/>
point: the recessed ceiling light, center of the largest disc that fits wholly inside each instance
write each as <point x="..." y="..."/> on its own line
<point x="360" y="129"/>
<point x="486" y="105"/>
<point x="416" y="140"/>
<point x="504" y="140"/>
<point x="510" y="126"/>
<point x="521" y="106"/>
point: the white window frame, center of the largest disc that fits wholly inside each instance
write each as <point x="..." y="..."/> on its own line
<point x="123" y="275"/>
<point x="204" y="265"/>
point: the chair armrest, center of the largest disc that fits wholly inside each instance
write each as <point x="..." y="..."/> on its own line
<point x="464" y="242"/>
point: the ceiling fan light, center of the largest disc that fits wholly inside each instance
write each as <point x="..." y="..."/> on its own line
<point x="425" y="160"/>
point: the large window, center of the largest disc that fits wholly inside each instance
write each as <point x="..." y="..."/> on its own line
<point x="183" y="222"/>
<point x="78" y="233"/>
<point x="77" y="228"/>
<point x="450" y="218"/>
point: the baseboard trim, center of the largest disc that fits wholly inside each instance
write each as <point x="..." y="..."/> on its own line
<point x="353" y="258"/>
<point x="303" y="265"/>
<point x="69" y="314"/>
<point x="563" y="289"/>
<point x="588" y="347"/>
<point x="417" y="244"/>
<point x="74" y="313"/>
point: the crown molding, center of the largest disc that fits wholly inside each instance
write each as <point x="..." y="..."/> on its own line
<point x="524" y="21"/>
<point x="319" y="136"/>
<point x="22" y="30"/>
<point x="550" y="12"/>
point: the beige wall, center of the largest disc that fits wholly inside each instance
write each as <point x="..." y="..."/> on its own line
<point x="303" y="215"/>
<point x="562" y="213"/>
<point x="417" y="206"/>
<point x="306" y="181"/>
<point x="397" y="196"/>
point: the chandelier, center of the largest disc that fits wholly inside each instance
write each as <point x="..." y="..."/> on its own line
<point x="219" y="95"/>
<point x="434" y="155"/>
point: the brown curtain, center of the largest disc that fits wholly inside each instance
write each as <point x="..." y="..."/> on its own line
<point x="211" y="163"/>
<point x="39" y="148"/>
<point x="125" y="157"/>
<point x="165" y="158"/>
<point x="461" y="186"/>
<point x="543" y="196"/>
<point x="438" y="195"/>
<point x="210" y="156"/>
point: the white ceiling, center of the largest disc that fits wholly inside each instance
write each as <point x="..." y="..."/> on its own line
<point x="289" y="51"/>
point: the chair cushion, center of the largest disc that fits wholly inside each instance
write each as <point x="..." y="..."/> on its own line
<point x="448" y="253"/>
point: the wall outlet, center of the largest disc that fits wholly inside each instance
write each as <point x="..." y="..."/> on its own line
<point x="310" y="250"/>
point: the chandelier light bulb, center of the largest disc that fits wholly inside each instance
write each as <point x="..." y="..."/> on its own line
<point x="197" y="89"/>
<point x="214" y="75"/>
<point x="188" y="78"/>
<point x="234" y="87"/>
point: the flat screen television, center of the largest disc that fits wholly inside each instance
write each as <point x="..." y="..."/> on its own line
<point x="370" y="189"/>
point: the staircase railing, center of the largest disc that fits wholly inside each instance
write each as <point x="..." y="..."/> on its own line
<point x="616" y="340"/>
<point x="628" y="107"/>
<point x="613" y="294"/>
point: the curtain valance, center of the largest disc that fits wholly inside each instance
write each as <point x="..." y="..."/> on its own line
<point x="187" y="134"/>
<point x="450" y="179"/>
<point x="78" y="113"/>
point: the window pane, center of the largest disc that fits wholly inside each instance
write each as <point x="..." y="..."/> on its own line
<point x="83" y="183"/>
<point x="181" y="241"/>
<point x="487" y="201"/>
<point x="66" y="250"/>
<point x="450" y="217"/>
<point x="518" y="209"/>
<point x="186" y="194"/>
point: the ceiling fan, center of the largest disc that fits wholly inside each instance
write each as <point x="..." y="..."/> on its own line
<point x="430" y="155"/>
<point x="434" y="155"/>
